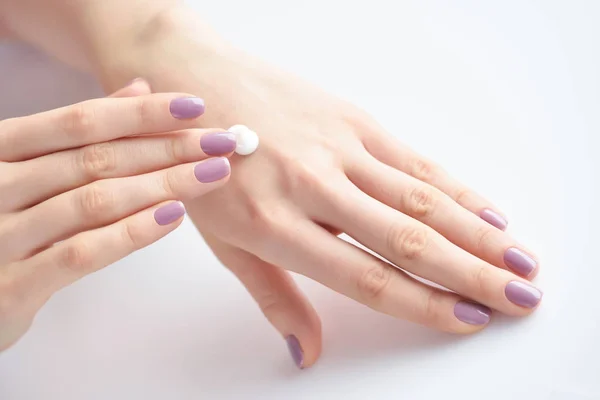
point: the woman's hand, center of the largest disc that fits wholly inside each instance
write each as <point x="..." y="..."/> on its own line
<point x="77" y="176"/>
<point x="325" y="167"/>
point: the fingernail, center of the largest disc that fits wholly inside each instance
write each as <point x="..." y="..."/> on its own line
<point x="519" y="262"/>
<point x="169" y="213"/>
<point x="215" y="144"/>
<point x="472" y="313"/>
<point x="522" y="294"/>
<point x="212" y="170"/>
<point x="494" y="219"/>
<point x="295" y="350"/>
<point x="187" y="107"/>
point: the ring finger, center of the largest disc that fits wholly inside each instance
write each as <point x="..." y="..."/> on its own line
<point x="425" y="203"/>
<point x="104" y="202"/>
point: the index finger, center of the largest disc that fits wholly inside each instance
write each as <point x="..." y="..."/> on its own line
<point x="96" y="121"/>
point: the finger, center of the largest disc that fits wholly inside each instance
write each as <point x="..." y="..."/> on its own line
<point x="390" y="151"/>
<point x="96" y="121"/>
<point x="137" y="87"/>
<point x="341" y="266"/>
<point x="50" y="175"/>
<point x="418" y="249"/>
<point x="279" y="298"/>
<point x="434" y="208"/>
<point x="105" y="202"/>
<point x="63" y="264"/>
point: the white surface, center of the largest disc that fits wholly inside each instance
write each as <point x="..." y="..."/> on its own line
<point x="506" y="95"/>
<point x="247" y="139"/>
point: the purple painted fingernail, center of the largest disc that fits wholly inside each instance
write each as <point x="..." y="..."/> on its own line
<point x="187" y="107"/>
<point x="519" y="262"/>
<point x="219" y="143"/>
<point x="472" y="313"/>
<point x="494" y="219"/>
<point x="169" y="213"/>
<point x="212" y="170"/>
<point x="295" y="350"/>
<point x="522" y="294"/>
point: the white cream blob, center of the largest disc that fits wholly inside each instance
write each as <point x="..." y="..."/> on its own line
<point x="247" y="139"/>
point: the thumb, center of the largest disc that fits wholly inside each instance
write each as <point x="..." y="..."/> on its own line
<point x="279" y="298"/>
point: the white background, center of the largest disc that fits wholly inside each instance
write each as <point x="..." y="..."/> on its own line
<point x="506" y="95"/>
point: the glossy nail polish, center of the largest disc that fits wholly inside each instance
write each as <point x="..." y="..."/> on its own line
<point x="522" y="294"/>
<point x="494" y="219"/>
<point x="295" y="350"/>
<point x="217" y="144"/>
<point x="187" y="107"/>
<point x="169" y="213"/>
<point x="212" y="170"/>
<point x="519" y="262"/>
<point x="472" y="313"/>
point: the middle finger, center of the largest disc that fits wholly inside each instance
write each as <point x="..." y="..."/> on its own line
<point x="50" y="175"/>
<point x="422" y="251"/>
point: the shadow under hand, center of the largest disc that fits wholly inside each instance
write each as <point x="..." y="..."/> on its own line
<point x="354" y="332"/>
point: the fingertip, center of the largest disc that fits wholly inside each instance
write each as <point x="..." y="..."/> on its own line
<point x="305" y="344"/>
<point x="213" y="170"/>
<point x="472" y="316"/>
<point x="169" y="214"/>
<point x="494" y="218"/>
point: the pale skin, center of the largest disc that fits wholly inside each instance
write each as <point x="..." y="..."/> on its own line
<point x="316" y="174"/>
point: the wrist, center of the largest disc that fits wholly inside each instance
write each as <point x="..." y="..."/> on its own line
<point x="169" y="39"/>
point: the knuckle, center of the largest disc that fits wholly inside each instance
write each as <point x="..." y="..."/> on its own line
<point x="479" y="282"/>
<point x="432" y="313"/>
<point x="271" y="305"/>
<point x="80" y="120"/>
<point x="76" y="257"/>
<point x="408" y="242"/>
<point x="423" y="170"/>
<point x="95" y="202"/>
<point x="142" y="110"/>
<point x="316" y="178"/>
<point x="98" y="160"/>
<point x="483" y="236"/>
<point x="174" y="149"/>
<point x="462" y="195"/>
<point x="170" y="182"/>
<point x="372" y="283"/>
<point x="420" y="202"/>
<point x="266" y="219"/>
<point x="134" y="236"/>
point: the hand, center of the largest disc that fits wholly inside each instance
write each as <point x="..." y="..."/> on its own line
<point x="325" y="167"/>
<point x="77" y="176"/>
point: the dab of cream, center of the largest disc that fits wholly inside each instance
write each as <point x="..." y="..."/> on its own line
<point x="247" y="139"/>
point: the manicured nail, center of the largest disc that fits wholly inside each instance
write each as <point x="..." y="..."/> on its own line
<point x="295" y="350"/>
<point x="519" y="262"/>
<point x="187" y="107"/>
<point x="522" y="294"/>
<point x="169" y="213"/>
<point x="494" y="219"/>
<point x="212" y="170"/>
<point x="219" y="143"/>
<point x="472" y="313"/>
